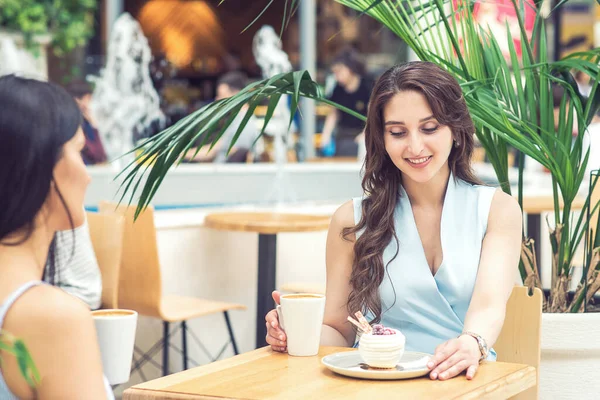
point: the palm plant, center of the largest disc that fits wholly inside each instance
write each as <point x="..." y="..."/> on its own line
<point x="16" y="347"/>
<point x="509" y="98"/>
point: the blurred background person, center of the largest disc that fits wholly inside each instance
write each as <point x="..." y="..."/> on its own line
<point x="352" y="90"/>
<point x="228" y="85"/>
<point x="93" y="152"/>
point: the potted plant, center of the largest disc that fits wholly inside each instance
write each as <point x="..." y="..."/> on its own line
<point x="36" y="24"/>
<point x="16" y="347"/>
<point x="507" y="82"/>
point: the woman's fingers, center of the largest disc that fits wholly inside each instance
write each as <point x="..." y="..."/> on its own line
<point x="442" y="352"/>
<point x="276" y="297"/>
<point x="275" y="335"/>
<point x="445" y="365"/>
<point x="273" y="327"/>
<point x="275" y="339"/>
<point x="471" y="371"/>
<point x="454" y="370"/>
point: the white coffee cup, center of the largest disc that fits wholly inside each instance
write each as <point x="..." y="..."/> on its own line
<point x="301" y="317"/>
<point x="115" y="329"/>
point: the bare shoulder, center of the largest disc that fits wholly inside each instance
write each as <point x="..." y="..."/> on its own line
<point x="49" y="309"/>
<point x="505" y="211"/>
<point x="344" y="215"/>
<point x="57" y="329"/>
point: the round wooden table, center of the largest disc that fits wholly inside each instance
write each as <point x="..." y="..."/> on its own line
<point x="267" y="225"/>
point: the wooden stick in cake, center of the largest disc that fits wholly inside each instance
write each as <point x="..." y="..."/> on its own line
<point x="363" y="321"/>
<point x="357" y="324"/>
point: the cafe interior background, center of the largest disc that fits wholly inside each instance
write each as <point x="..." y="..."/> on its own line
<point x="181" y="49"/>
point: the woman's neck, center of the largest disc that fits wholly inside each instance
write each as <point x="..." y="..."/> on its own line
<point x="428" y="194"/>
<point x="25" y="262"/>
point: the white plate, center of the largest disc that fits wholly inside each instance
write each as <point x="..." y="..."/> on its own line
<point x="349" y="363"/>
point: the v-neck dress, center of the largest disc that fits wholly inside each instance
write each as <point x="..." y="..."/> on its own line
<point x="430" y="309"/>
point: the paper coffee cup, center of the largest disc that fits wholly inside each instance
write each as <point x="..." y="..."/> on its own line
<point x="115" y="329"/>
<point x="301" y="317"/>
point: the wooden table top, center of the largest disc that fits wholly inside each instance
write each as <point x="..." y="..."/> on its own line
<point x="539" y="204"/>
<point x="266" y="222"/>
<point x="263" y="374"/>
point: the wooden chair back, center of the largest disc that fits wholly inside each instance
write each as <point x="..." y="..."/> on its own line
<point x="140" y="286"/>
<point x="520" y="338"/>
<point x="106" y="234"/>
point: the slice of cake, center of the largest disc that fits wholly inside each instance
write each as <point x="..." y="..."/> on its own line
<point x="382" y="347"/>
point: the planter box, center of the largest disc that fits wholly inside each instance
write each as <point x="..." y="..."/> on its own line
<point x="570" y="364"/>
<point x="15" y="58"/>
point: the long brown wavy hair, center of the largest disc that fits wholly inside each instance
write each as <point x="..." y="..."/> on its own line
<point x="382" y="179"/>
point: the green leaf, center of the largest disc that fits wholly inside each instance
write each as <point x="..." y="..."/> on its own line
<point x="25" y="362"/>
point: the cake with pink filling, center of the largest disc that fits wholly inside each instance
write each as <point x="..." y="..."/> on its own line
<point x="382" y="347"/>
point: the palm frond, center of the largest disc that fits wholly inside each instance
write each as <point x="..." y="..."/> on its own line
<point x="160" y="153"/>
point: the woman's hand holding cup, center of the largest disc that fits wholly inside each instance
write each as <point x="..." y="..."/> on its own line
<point x="275" y="335"/>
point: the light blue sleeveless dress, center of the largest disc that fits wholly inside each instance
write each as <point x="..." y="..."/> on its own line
<point x="428" y="309"/>
<point x="5" y="393"/>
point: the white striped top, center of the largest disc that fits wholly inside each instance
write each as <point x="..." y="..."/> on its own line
<point x="77" y="270"/>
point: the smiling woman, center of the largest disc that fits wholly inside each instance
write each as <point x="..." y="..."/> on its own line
<point x="428" y="250"/>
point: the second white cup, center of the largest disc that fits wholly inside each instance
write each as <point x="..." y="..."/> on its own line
<point x="301" y="317"/>
<point x="116" y="337"/>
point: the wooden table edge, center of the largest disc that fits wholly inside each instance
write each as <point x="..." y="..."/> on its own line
<point x="504" y="388"/>
<point x="541" y="204"/>
<point x="264" y="230"/>
<point x="151" y="394"/>
<point x="320" y="222"/>
<point x="164" y="382"/>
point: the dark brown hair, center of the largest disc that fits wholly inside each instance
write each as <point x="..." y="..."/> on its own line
<point x="382" y="179"/>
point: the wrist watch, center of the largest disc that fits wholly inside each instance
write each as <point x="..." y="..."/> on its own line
<point x="483" y="347"/>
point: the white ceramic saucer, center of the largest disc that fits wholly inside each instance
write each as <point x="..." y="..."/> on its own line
<point x="349" y="363"/>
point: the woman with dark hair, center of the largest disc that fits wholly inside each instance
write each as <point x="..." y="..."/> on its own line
<point x="42" y="187"/>
<point x="352" y="90"/>
<point x="428" y="250"/>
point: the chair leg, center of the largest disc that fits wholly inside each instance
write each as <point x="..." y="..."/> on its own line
<point x="184" y="345"/>
<point x="235" y="349"/>
<point x="165" y="362"/>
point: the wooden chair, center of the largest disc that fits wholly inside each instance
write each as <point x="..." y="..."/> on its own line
<point x="520" y="338"/>
<point x="140" y="287"/>
<point x="106" y="233"/>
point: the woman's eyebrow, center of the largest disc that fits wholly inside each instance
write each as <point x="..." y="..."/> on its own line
<point x="402" y="123"/>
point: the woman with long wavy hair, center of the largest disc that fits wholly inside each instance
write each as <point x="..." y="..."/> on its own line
<point x="427" y="250"/>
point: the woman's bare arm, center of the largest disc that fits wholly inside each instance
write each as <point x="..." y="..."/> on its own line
<point x="59" y="332"/>
<point x="498" y="268"/>
<point x="496" y="276"/>
<point x="337" y="331"/>
<point x="328" y="126"/>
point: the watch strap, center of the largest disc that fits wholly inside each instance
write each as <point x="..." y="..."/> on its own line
<point x="483" y="347"/>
